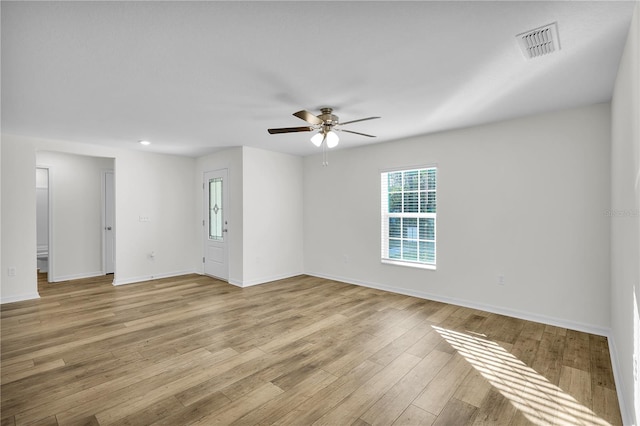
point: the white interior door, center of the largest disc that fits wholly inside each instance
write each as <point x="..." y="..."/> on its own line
<point x="215" y="224"/>
<point x="109" y="222"/>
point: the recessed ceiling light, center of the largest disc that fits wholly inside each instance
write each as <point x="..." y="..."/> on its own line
<point x="144" y="143"/>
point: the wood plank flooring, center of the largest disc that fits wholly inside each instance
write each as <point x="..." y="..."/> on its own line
<point x="301" y="351"/>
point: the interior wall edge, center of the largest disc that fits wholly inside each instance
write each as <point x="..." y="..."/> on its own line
<point x="617" y="378"/>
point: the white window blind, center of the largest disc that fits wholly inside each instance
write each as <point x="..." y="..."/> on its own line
<point x="408" y="216"/>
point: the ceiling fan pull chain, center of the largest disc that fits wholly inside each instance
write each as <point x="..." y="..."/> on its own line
<point x="325" y="162"/>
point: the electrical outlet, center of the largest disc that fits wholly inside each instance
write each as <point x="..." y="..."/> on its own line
<point x="11" y="271"/>
<point x="501" y="279"/>
<point x="345" y="258"/>
<point x="143" y="218"/>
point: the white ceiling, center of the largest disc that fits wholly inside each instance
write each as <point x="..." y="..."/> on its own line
<point x="194" y="77"/>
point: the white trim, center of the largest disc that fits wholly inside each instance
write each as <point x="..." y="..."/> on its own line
<point x="626" y="414"/>
<point x="103" y="191"/>
<point x="403" y="168"/>
<point x="51" y="266"/>
<point x="264" y="280"/>
<point x="50" y="263"/>
<point x="259" y="281"/>
<point x="76" y="276"/>
<point x="232" y="282"/>
<point x="529" y="316"/>
<point x="19" y="298"/>
<point x="103" y="217"/>
<point x="216" y="278"/>
<point x="133" y="280"/>
<point x="429" y="266"/>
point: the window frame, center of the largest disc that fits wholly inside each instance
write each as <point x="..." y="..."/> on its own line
<point x="385" y="215"/>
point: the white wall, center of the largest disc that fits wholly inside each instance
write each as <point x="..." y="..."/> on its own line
<point x="157" y="187"/>
<point x="18" y="221"/>
<point x="524" y="198"/>
<point x="76" y="213"/>
<point x="272" y="216"/>
<point x="230" y="159"/>
<point x="152" y="185"/>
<point x="625" y="225"/>
<point x="2" y="269"/>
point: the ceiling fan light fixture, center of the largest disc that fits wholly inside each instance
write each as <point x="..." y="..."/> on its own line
<point x="317" y="139"/>
<point x="332" y="139"/>
<point x="322" y="124"/>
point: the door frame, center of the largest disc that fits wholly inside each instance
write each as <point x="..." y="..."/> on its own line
<point x="103" y="219"/>
<point x="205" y="219"/>
<point x="50" y="250"/>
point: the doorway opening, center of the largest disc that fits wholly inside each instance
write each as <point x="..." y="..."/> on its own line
<point x="81" y="215"/>
<point x="42" y="221"/>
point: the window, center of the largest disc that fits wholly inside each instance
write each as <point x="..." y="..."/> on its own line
<point x="408" y="207"/>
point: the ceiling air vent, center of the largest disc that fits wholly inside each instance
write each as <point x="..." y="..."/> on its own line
<point x="539" y="42"/>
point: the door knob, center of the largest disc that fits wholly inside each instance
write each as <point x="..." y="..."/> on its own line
<point x="108" y="228"/>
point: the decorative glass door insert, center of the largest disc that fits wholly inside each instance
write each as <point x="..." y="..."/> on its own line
<point x="215" y="209"/>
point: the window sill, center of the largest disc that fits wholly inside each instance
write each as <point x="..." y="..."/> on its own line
<point x="408" y="264"/>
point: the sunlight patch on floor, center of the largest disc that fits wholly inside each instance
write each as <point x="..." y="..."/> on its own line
<point x="539" y="400"/>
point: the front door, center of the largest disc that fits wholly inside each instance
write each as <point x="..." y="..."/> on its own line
<point x="215" y="224"/>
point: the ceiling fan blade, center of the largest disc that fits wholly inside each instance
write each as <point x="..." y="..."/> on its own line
<point x="290" y="130"/>
<point x="361" y="119"/>
<point x="357" y="133"/>
<point x="308" y="117"/>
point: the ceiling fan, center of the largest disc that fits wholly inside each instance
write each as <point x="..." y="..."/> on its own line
<point x="326" y="124"/>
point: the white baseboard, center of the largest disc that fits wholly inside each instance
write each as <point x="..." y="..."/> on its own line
<point x="235" y="283"/>
<point x="529" y="316"/>
<point x="265" y="280"/>
<point x="259" y="281"/>
<point x="133" y="280"/>
<point x="76" y="276"/>
<point x="19" y="298"/>
<point x="627" y="418"/>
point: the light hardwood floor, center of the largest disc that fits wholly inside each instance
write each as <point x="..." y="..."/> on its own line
<point x="305" y="350"/>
